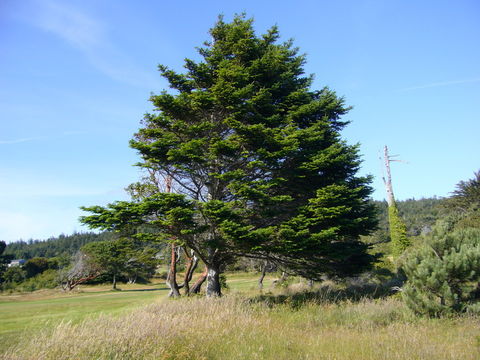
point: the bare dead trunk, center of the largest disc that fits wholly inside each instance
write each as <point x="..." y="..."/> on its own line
<point x="213" y="282"/>
<point x="70" y="284"/>
<point x="172" y="274"/>
<point x="195" y="289"/>
<point x="388" y="181"/>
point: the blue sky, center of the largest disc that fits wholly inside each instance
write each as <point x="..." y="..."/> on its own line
<point x="75" y="77"/>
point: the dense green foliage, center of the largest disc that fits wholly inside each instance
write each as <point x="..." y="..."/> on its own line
<point x="36" y="273"/>
<point x="443" y="271"/>
<point x="257" y="157"/>
<point x="14" y="274"/>
<point x="398" y="231"/>
<point x="122" y="258"/>
<point x="4" y="260"/>
<point x="443" y="274"/>
<point x="18" y="281"/>
<point x="466" y="196"/>
<point x="465" y="203"/>
<point x="419" y="215"/>
<point x="36" y="266"/>
<point x="63" y="245"/>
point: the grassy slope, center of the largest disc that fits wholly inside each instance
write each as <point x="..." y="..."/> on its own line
<point x="240" y="327"/>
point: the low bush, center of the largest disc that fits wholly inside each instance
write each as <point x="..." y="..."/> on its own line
<point x="443" y="274"/>
<point x="46" y="280"/>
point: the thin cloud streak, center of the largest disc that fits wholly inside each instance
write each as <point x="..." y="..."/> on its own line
<point x="89" y="36"/>
<point x="35" y="138"/>
<point x="440" y="84"/>
<point x="18" y="141"/>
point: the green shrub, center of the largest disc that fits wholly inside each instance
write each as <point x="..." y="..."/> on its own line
<point x="14" y="274"/>
<point x="46" y="280"/>
<point x="36" y="266"/>
<point x="443" y="274"/>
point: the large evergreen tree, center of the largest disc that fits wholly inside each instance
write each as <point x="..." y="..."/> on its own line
<point x="257" y="159"/>
<point x="465" y="202"/>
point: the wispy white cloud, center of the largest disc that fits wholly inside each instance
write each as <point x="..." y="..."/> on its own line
<point x="90" y="36"/>
<point x="22" y="140"/>
<point x="72" y="25"/>
<point x="441" y="83"/>
<point x="35" y="138"/>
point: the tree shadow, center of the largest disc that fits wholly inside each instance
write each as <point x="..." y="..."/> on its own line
<point x="326" y="294"/>
<point x="157" y="289"/>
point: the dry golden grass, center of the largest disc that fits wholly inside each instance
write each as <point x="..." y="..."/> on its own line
<point x="233" y="327"/>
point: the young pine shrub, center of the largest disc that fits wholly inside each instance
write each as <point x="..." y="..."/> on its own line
<point x="444" y="274"/>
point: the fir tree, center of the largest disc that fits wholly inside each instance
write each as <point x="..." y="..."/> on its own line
<point x="257" y="158"/>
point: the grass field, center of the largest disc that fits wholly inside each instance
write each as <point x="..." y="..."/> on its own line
<point x="280" y="324"/>
<point x="22" y="315"/>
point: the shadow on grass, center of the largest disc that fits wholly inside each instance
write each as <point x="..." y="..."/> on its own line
<point x="326" y="294"/>
<point x="157" y="289"/>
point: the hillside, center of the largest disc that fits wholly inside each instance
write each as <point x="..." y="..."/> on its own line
<point x="65" y="245"/>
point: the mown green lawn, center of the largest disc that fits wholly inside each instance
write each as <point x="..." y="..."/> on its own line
<point x="24" y="314"/>
<point x="247" y="282"/>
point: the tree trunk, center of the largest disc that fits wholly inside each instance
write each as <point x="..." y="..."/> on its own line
<point x="114" y="283"/>
<point x="195" y="289"/>
<point x="192" y="262"/>
<point x="262" y="276"/>
<point x="172" y="274"/>
<point x="213" y="282"/>
<point x="70" y="284"/>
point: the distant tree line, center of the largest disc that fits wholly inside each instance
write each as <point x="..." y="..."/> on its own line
<point x="97" y="261"/>
<point x="419" y="216"/>
<point x="91" y="257"/>
<point x="62" y="245"/>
